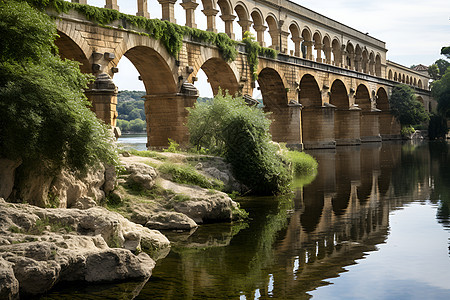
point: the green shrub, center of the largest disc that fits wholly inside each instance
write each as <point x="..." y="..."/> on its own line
<point x="407" y="130"/>
<point x="301" y="163"/>
<point x="174" y="147"/>
<point x="44" y="118"/>
<point x="228" y="127"/>
<point x="187" y="174"/>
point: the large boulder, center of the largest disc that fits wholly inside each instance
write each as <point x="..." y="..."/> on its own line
<point x="141" y="174"/>
<point x="40" y="247"/>
<point x="166" y="220"/>
<point x="217" y="207"/>
<point x="68" y="188"/>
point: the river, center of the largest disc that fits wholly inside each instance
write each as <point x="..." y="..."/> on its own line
<point x="373" y="224"/>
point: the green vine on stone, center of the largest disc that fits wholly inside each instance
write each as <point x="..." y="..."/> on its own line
<point x="170" y="34"/>
<point x="253" y="50"/>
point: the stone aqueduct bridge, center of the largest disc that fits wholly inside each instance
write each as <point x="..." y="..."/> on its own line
<point x="331" y="89"/>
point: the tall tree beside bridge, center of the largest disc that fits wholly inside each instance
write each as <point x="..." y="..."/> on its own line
<point x="44" y="118"/>
<point x="405" y="107"/>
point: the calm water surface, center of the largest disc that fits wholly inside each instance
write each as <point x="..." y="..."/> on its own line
<point x="373" y="224"/>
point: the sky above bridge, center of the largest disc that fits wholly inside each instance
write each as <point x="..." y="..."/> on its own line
<point x="414" y="30"/>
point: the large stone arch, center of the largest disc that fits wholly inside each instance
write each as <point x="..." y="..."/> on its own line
<point x="309" y="95"/>
<point x="285" y="117"/>
<point x="72" y="45"/>
<point x="382" y="99"/>
<point x="157" y="68"/>
<point x="362" y="97"/>
<point x="346" y="118"/>
<point x="339" y="95"/>
<point x="389" y="127"/>
<point x="369" y="118"/>
<point x="220" y="74"/>
<point x="69" y="49"/>
<point x="317" y="120"/>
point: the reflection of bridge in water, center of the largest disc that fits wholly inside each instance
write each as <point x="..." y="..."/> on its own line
<point x="338" y="218"/>
<point x="292" y="248"/>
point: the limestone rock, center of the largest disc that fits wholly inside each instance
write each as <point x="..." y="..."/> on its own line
<point x="9" y="285"/>
<point x="142" y="174"/>
<point x="170" y="221"/>
<point x="116" y="265"/>
<point x="110" y="179"/>
<point x="215" y="208"/>
<point x="85" y="203"/>
<point x="70" y="245"/>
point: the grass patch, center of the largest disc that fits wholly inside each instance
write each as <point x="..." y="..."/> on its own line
<point x="301" y="163"/>
<point x="186" y="174"/>
<point x="151" y="154"/>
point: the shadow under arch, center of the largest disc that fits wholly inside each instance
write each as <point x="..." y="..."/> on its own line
<point x="346" y="118"/>
<point x="382" y="99"/>
<point x="69" y="49"/>
<point x="286" y="117"/>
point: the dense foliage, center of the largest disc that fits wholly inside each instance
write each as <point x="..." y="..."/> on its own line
<point x="405" y="107"/>
<point x="44" y="118"/>
<point x="440" y="90"/>
<point x="437" y="70"/>
<point x="240" y="133"/>
<point x="130" y="107"/>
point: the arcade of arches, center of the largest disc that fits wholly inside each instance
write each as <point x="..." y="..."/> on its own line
<point x="336" y="100"/>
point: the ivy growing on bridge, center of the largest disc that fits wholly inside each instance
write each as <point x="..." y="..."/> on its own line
<point x="254" y="50"/>
<point x="170" y="34"/>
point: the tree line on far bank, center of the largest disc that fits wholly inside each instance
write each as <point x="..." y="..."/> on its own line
<point x="131" y="111"/>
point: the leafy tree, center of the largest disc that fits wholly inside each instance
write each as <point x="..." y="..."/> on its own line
<point x="124" y="125"/>
<point x="433" y="71"/>
<point x="44" y="118"/>
<point x="440" y="91"/>
<point x="446" y="51"/>
<point x="137" y="125"/>
<point x="438" y="69"/>
<point x="405" y="107"/>
<point x="241" y="133"/>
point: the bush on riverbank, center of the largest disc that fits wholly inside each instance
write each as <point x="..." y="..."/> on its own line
<point x="227" y="126"/>
<point x="302" y="163"/>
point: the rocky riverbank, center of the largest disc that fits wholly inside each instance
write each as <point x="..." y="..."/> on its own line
<point x="103" y="228"/>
